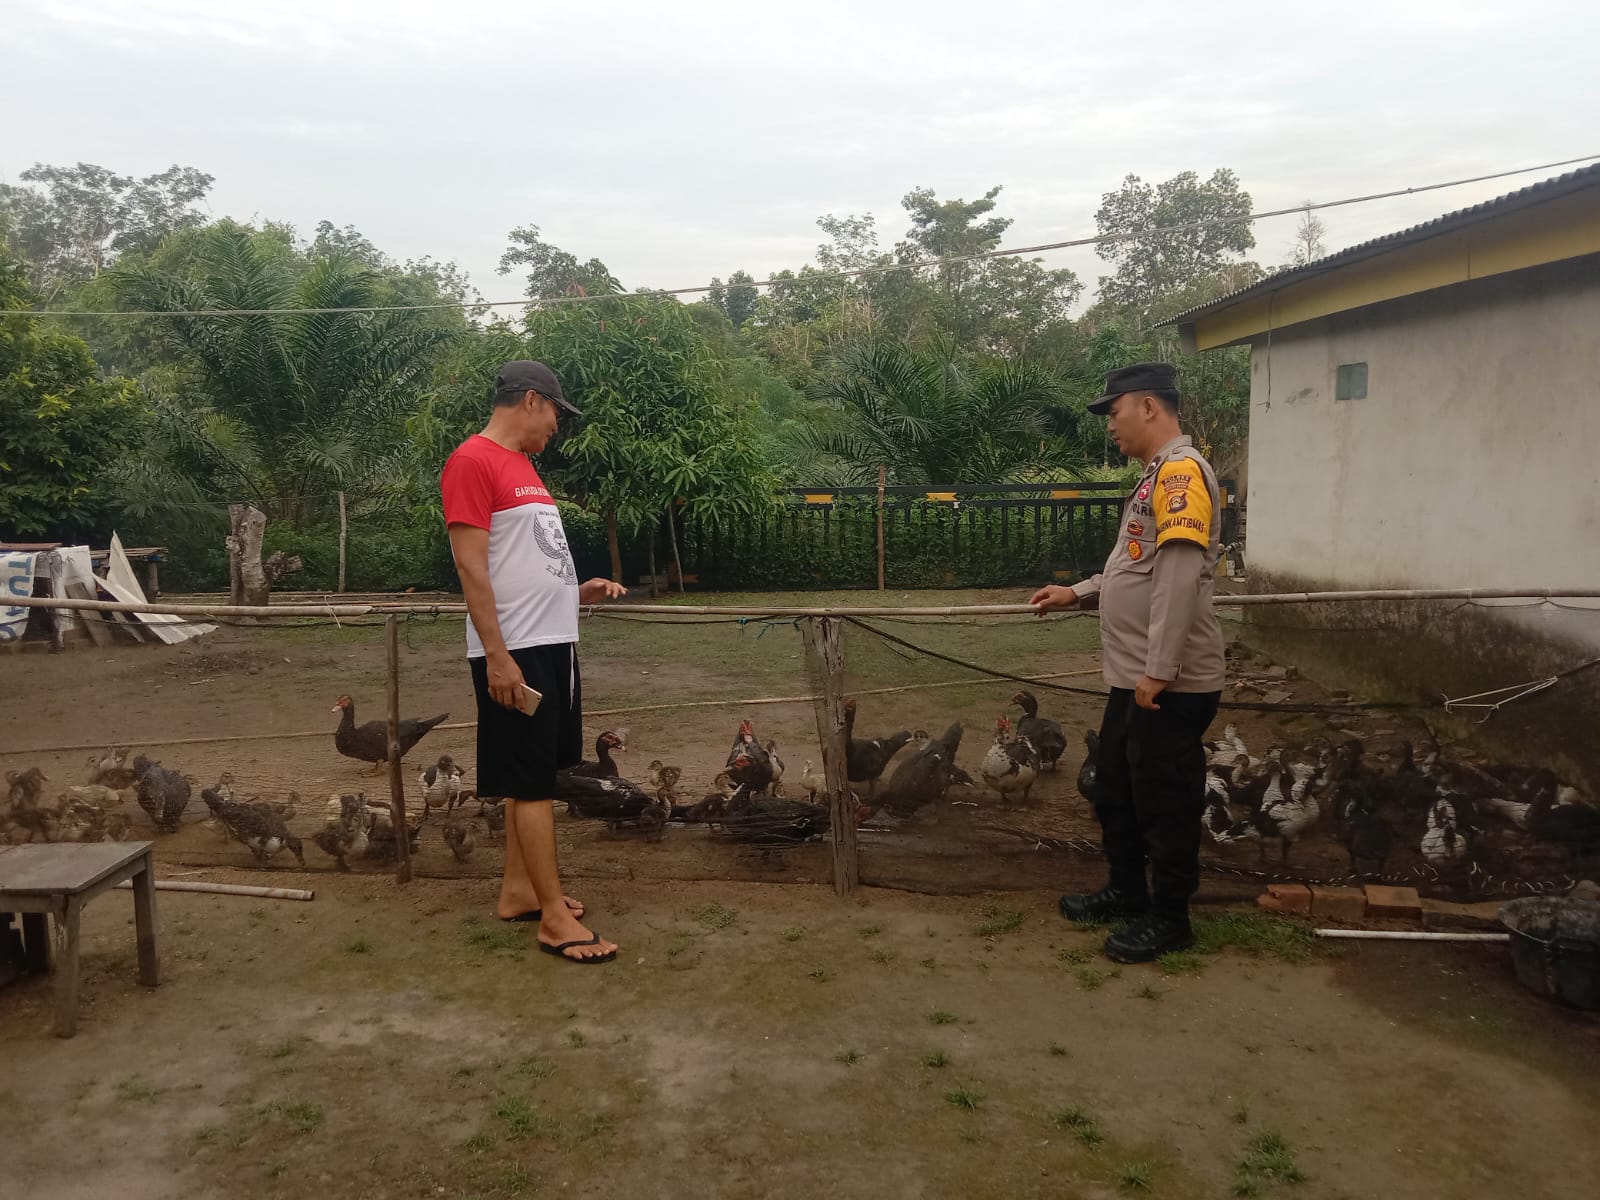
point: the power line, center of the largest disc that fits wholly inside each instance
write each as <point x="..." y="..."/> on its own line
<point x="852" y="273"/>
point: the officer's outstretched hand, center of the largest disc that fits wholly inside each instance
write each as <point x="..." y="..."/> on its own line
<point x="1053" y="598"/>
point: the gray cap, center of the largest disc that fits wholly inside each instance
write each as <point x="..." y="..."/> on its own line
<point x="524" y="375"/>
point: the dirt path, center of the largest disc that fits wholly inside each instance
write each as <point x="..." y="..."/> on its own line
<point x="770" y="1041"/>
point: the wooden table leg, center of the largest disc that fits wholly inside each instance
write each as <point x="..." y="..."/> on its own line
<point x="144" y="917"/>
<point x="36" y="942"/>
<point x="67" y="971"/>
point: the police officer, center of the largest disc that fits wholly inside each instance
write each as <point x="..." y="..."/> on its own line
<point x="1162" y="654"/>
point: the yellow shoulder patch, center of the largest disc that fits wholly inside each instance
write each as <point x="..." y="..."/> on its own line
<point x="1182" y="504"/>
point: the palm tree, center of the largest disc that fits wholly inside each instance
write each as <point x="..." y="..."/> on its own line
<point x="280" y="410"/>
<point x="932" y="415"/>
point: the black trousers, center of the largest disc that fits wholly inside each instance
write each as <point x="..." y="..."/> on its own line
<point x="1150" y="789"/>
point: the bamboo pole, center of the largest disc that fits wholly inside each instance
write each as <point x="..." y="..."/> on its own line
<point x="1406" y="935"/>
<point x="228" y="889"/>
<point x="883" y="478"/>
<point x="397" y="786"/>
<point x="826" y="639"/>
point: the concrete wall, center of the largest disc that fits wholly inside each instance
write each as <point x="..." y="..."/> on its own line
<point x="1474" y="461"/>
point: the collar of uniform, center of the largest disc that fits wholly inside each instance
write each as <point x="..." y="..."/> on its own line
<point x="1182" y="440"/>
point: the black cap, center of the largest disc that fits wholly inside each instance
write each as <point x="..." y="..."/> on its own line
<point x="1141" y="377"/>
<point x="525" y="375"/>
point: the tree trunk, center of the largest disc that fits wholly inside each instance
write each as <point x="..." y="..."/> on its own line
<point x="672" y="538"/>
<point x="653" y="592"/>
<point x="251" y="578"/>
<point x="613" y="545"/>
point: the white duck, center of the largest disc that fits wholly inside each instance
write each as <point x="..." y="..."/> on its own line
<point x="1287" y="816"/>
<point x="1012" y="763"/>
<point x="1442" y="843"/>
<point x="441" y="784"/>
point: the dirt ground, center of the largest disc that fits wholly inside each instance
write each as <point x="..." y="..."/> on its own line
<point x="760" y="1040"/>
<point x="755" y="1039"/>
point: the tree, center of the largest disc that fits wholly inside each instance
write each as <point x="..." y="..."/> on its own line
<point x="552" y="272"/>
<point x="82" y="218"/>
<point x="1151" y="268"/>
<point x="1308" y="238"/>
<point x="934" y="415"/>
<point x="282" y="411"/>
<point x="742" y="295"/>
<point x="660" y="426"/>
<point x="61" y="425"/>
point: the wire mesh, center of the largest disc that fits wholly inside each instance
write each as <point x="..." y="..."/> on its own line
<point x="678" y="691"/>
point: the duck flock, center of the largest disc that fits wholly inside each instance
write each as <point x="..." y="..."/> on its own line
<point x="1462" y="819"/>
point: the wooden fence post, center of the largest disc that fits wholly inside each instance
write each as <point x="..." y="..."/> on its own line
<point x="883" y="477"/>
<point x="826" y="638"/>
<point x="397" y="786"/>
<point x="341" y="541"/>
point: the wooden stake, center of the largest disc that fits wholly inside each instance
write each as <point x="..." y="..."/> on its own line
<point x="341" y="541"/>
<point x="397" y="786"/>
<point x="826" y="638"/>
<point x="883" y="478"/>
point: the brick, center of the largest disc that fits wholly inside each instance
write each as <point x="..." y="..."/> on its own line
<point x="1338" y="903"/>
<point x="1286" y="898"/>
<point x="1443" y="914"/>
<point x="1393" y="903"/>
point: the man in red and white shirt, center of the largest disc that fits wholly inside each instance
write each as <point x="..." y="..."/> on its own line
<point x="522" y="596"/>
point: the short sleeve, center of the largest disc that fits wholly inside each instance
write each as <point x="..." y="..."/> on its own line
<point x="467" y="491"/>
<point x="1182" y="504"/>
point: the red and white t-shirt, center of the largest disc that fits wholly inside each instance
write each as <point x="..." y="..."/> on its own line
<point x="530" y="568"/>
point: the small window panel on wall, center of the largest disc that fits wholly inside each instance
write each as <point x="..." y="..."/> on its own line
<point x="1350" y="382"/>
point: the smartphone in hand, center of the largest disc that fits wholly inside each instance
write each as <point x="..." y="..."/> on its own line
<point x="528" y="700"/>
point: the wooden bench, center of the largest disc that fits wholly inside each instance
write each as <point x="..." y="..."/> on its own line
<point x="57" y="880"/>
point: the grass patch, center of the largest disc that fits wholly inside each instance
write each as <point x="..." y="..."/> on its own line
<point x="518" y="1115"/>
<point x="1057" y="1050"/>
<point x="595" y="1125"/>
<point x="716" y="916"/>
<point x="1135" y="1176"/>
<point x="285" y="1048"/>
<point x="515" y="1179"/>
<point x="934" y="1059"/>
<point x="1268" y="1159"/>
<point x="1074" y="956"/>
<point x="999" y="922"/>
<point x="1257" y="933"/>
<point x="870" y="931"/>
<point x="818" y="974"/>
<point x="300" y="1115"/>
<point x="883" y="955"/>
<point x="274" y="1167"/>
<point x="794" y="933"/>
<point x="137" y="1091"/>
<point x="939" y="1017"/>
<point x="576" y="1040"/>
<point x="964" y="1097"/>
<point x="359" y="945"/>
<point x="478" y="1143"/>
<point x="848" y="1058"/>
<point x="491" y="939"/>
<point x="1149" y="992"/>
<point x="1182" y="962"/>
<point x="1080" y="1124"/>
<point x="208" y="1135"/>
<point x="534" y="1068"/>
<point x="1093" y="978"/>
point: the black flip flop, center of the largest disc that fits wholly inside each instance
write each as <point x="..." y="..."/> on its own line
<point x="537" y="914"/>
<point x="560" y="949"/>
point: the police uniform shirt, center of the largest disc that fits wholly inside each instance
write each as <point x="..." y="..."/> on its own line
<point x="1155" y="593"/>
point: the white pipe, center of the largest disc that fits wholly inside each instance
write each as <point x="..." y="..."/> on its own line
<point x="1406" y="935"/>
<point x="228" y="889"/>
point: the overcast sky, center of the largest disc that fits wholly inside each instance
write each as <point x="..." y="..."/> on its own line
<point x="682" y="140"/>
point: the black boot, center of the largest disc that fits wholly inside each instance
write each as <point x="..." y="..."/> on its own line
<point x="1110" y="903"/>
<point x="1148" y="938"/>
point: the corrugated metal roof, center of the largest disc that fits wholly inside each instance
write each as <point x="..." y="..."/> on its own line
<point x="1534" y="193"/>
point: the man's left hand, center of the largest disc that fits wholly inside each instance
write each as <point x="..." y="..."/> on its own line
<point x="597" y="590"/>
<point x="1144" y="695"/>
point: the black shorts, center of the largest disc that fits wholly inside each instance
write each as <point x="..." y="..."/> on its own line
<point x="518" y="754"/>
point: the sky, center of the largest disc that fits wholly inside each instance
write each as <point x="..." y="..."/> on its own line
<point x="685" y="140"/>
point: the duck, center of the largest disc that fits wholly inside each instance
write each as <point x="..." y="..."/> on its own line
<point x="1091" y="765"/>
<point x="603" y="766"/>
<point x="256" y="825"/>
<point x="1217" y="819"/>
<point x="1044" y="735"/>
<point x="777" y="767"/>
<point x="749" y="763"/>
<point x="866" y="759"/>
<point x="370" y="742"/>
<point x="458" y="836"/>
<point x="441" y="784"/>
<point x="1012" y="763"/>
<point x="344" y="836"/>
<point x="1443" y="844"/>
<point x="162" y="792"/>
<point x="667" y="786"/>
<point x="923" y="777"/>
<point x="812" y="781"/>
<point x="1558" y="814"/>
<point x="713" y="807"/>
<point x="1288" y="807"/>
<point x="1230" y="751"/>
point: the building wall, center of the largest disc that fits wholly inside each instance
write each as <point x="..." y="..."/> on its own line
<point x="1474" y="461"/>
